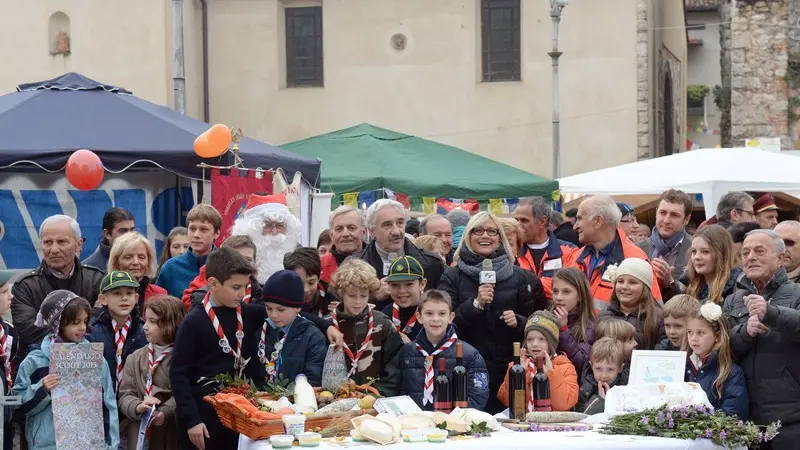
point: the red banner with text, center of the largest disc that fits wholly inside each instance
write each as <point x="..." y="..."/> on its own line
<point x="229" y="194"/>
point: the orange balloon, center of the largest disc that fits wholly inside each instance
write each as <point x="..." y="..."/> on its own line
<point x="219" y="136"/>
<point x="203" y="147"/>
<point x="85" y="170"/>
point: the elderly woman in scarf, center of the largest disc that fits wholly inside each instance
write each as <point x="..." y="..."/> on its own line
<point x="490" y="314"/>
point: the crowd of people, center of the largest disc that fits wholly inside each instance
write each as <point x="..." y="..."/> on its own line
<point x="579" y="291"/>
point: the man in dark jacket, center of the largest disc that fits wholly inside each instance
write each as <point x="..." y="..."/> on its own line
<point x="764" y="315"/>
<point x="386" y="221"/>
<point x="563" y="227"/>
<point x="61" y="242"/>
<point x="669" y="244"/>
<point x="116" y="222"/>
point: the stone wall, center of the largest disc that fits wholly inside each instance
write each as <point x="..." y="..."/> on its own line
<point x="723" y="97"/>
<point x="642" y="81"/>
<point x="759" y="55"/>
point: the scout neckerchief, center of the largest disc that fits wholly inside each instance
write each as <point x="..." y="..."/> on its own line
<point x="427" y="397"/>
<point x="323" y="308"/>
<point x="6" y="359"/>
<point x="398" y="324"/>
<point x="153" y="365"/>
<point x="367" y="339"/>
<point x="247" y="294"/>
<point x="120" y="336"/>
<point x="271" y="364"/>
<point x="238" y="361"/>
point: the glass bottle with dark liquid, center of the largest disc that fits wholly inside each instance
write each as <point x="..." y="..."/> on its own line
<point x="540" y="388"/>
<point x="460" y="399"/>
<point x="516" y="396"/>
<point x="442" y="401"/>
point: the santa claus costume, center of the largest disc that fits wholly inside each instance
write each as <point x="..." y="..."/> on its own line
<point x="272" y="227"/>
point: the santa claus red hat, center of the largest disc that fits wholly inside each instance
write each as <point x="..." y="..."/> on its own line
<point x="265" y="204"/>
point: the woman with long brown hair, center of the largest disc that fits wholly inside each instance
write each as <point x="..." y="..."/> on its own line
<point x="711" y="272"/>
<point x="573" y="306"/>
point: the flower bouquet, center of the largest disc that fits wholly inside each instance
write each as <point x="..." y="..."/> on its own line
<point x="693" y="422"/>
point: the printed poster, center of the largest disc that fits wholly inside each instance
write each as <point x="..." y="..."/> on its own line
<point x="78" y="398"/>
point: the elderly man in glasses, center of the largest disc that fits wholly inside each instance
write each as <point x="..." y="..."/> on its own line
<point x="272" y="227"/>
<point x="789" y="231"/>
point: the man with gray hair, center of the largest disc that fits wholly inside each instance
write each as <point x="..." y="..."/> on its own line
<point x="764" y="315"/>
<point x="734" y="207"/>
<point x="347" y="229"/>
<point x="789" y="231"/>
<point x="542" y="252"/>
<point x="597" y="225"/>
<point x="61" y="241"/>
<point x="386" y="222"/>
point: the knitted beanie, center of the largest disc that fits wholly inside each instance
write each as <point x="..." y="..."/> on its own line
<point x="546" y="323"/>
<point x="49" y="316"/>
<point x="284" y="287"/>
<point x="637" y="268"/>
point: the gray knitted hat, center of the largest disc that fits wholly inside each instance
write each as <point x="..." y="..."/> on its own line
<point x="458" y="217"/>
<point x="49" y="316"/>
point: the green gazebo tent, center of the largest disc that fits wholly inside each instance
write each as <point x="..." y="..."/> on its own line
<point x="365" y="158"/>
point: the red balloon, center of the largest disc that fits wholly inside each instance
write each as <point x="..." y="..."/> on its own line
<point x="85" y="170"/>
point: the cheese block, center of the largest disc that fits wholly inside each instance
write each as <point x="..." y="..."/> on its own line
<point x="392" y="421"/>
<point x="416" y="421"/>
<point x="376" y="431"/>
<point x="453" y="423"/>
<point x="474" y="416"/>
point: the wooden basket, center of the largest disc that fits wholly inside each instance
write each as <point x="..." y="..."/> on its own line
<point x="236" y="420"/>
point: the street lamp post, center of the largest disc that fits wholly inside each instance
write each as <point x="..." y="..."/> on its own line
<point x="556" y="6"/>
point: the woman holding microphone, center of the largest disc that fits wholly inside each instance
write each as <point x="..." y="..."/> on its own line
<point x="491" y="296"/>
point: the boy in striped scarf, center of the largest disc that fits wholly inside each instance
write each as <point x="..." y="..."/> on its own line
<point x="439" y="340"/>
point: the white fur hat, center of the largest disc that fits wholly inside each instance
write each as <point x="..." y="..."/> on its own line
<point x="262" y="204"/>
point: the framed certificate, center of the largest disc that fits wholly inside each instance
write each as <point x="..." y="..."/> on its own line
<point x="657" y="367"/>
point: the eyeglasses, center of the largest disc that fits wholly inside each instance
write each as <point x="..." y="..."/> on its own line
<point x="269" y="225"/>
<point x="752" y="213"/>
<point x="489" y="231"/>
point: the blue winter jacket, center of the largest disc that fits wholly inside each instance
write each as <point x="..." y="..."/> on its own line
<point x="734" y="400"/>
<point x="37" y="409"/>
<point x="412" y="370"/>
<point x="178" y="273"/>
<point x="102" y="331"/>
<point x="304" y="350"/>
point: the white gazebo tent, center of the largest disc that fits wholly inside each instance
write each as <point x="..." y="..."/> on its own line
<point x="710" y="172"/>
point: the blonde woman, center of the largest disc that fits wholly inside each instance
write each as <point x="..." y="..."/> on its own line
<point x="514" y="233"/>
<point x="490" y="316"/>
<point x="134" y="254"/>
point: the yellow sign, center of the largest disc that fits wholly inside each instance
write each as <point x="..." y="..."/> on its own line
<point x="496" y="206"/>
<point x="351" y="199"/>
<point x="428" y="205"/>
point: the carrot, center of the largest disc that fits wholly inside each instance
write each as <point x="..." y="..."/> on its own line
<point x="368" y="388"/>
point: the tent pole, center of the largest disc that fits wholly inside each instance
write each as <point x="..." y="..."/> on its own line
<point x="178" y="72"/>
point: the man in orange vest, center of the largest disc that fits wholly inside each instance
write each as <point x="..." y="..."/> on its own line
<point x="605" y="245"/>
<point x="542" y="252"/>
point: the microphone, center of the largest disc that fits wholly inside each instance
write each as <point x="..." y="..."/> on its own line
<point x="488" y="276"/>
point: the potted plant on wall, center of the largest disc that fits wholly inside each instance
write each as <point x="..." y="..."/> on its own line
<point x="695" y="99"/>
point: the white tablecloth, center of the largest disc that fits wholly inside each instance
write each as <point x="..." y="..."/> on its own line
<point x="510" y="440"/>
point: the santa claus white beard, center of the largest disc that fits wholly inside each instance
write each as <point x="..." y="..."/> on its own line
<point x="269" y="256"/>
